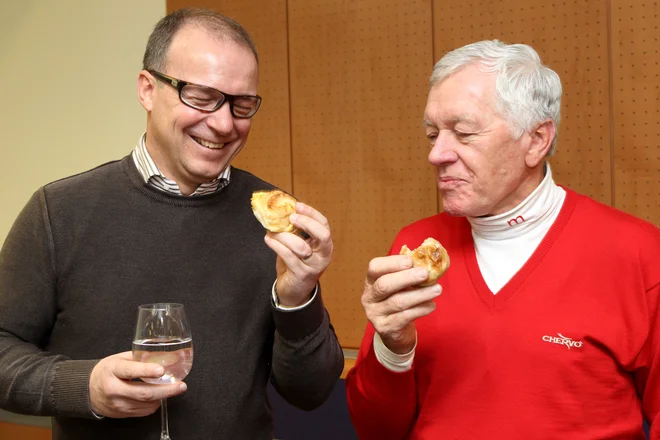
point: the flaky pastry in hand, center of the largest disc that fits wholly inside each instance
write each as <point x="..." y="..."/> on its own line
<point x="272" y="209"/>
<point x="430" y="255"/>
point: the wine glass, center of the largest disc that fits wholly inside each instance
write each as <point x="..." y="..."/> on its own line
<point x="162" y="336"/>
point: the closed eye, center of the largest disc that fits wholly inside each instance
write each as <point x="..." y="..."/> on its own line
<point x="463" y="137"/>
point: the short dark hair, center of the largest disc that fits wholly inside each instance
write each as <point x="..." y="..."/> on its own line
<point x="155" y="55"/>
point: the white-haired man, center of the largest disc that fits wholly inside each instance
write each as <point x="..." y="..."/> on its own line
<point x="549" y="322"/>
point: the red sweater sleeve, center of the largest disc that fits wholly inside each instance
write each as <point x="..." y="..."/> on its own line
<point x="382" y="404"/>
<point x="647" y="372"/>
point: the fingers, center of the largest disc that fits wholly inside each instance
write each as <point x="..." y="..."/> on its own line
<point x="396" y="311"/>
<point x="135" y="399"/>
<point x="406" y="301"/>
<point x="315" y="225"/>
<point x="315" y="251"/>
<point x="129" y="369"/>
<point x="288" y="246"/>
<point x="393" y="301"/>
<point x="113" y="393"/>
<point x="317" y="228"/>
<point x="308" y="211"/>
<point x="146" y="392"/>
<point x="394" y="317"/>
<point x="388" y="275"/>
<point x="383" y="265"/>
<point x="301" y="261"/>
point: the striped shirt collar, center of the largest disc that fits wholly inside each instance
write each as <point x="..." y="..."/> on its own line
<point x="152" y="175"/>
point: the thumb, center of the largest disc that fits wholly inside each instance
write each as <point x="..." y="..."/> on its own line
<point x="126" y="368"/>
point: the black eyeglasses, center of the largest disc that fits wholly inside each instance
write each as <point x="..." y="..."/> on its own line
<point x="208" y="99"/>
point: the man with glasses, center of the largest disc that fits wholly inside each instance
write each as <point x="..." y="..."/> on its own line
<point x="170" y="222"/>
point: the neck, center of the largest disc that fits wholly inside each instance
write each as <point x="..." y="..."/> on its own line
<point x="527" y="187"/>
<point x="544" y="201"/>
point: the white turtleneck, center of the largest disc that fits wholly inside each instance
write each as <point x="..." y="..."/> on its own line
<point x="503" y="243"/>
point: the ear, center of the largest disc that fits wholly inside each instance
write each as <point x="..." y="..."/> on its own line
<point x="540" y="143"/>
<point x="145" y="88"/>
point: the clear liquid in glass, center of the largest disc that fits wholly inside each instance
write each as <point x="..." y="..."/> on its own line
<point x="175" y="355"/>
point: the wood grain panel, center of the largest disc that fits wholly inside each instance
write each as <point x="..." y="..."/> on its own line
<point x="571" y="38"/>
<point x="359" y="73"/>
<point x="11" y="431"/>
<point x="636" y="106"/>
<point x="267" y="153"/>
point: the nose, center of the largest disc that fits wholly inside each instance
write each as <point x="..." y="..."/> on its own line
<point x="221" y="120"/>
<point x="443" y="150"/>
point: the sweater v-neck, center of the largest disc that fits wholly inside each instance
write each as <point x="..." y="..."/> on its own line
<point x="495" y="301"/>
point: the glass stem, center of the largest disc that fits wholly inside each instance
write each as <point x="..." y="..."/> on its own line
<point x="164" y="426"/>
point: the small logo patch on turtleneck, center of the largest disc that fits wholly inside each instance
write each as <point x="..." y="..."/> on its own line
<point x="515" y="221"/>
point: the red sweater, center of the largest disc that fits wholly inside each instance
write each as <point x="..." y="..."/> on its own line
<point x="569" y="348"/>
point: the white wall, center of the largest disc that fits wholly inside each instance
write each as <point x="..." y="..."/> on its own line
<point x="68" y="72"/>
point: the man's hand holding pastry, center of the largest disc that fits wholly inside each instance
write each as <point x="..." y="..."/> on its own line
<point x="300" y="236"/>
<point x="399" y="289"/>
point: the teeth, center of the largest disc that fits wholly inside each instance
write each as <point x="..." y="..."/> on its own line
<point x="207" y="144"/>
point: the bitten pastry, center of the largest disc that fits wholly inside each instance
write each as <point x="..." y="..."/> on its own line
<point x="272" y="209"/>
<point x="431" y="255"/>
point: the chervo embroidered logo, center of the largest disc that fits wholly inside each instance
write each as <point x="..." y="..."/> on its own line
<point x="562" y="340"/>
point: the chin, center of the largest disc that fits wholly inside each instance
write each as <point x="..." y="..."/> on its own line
<point x="457" y="209"/>
<point x="454" y="212"/>
<point x="207" y="169"/>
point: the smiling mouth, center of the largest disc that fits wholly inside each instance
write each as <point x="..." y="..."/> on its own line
<point x="207" y="144"/>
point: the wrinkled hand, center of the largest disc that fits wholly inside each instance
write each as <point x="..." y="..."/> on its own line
<point x="392" y="303"/>
<point x="300" y="262"/>
<point x="113" y="394"/>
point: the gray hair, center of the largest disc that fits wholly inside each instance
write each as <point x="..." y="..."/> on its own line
<point x="155" y="55"/>
<point x="528" y="93"/>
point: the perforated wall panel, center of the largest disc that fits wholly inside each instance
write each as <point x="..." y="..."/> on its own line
<point x="345" y="84"/>
<point x="358" y="88"/>
<point x="636" y="105"/>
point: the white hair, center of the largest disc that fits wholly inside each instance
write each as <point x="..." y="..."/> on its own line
<point x="528" y="93"/>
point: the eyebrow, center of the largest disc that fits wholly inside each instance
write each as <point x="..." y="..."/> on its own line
<point x="464" y="117"/>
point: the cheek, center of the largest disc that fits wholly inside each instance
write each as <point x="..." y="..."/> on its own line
<point x="184" y="117"/>
<point x="243" y="127"/>
<point x="471" y="166"/>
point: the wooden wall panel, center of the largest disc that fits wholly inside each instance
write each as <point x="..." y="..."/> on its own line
<point x="571" y="38"/>
<point x="359" y="73"/>
<point x="11" y="431"/>
<point x="267" y="152"/>
<point x="345" y="87"/>
<point x="636" y="106"/>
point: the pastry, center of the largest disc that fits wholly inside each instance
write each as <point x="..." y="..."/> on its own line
<point x="430" y="255"/>
<point x="272" y="209"/>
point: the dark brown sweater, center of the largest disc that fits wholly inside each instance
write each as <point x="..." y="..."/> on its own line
<point x="88" y="249"/>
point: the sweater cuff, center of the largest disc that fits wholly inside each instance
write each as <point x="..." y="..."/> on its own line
<point x="392" y="361"/>
<point x="299" y="323"/>
<point x="276" y="299"/>
<point x="70" y="389"/>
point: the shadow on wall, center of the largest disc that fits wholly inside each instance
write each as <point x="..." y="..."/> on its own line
<point x="328" y="422"/>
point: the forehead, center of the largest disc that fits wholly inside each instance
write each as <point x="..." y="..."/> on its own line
<point x="467" y="95"/>
<point x="196" y="55"/>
